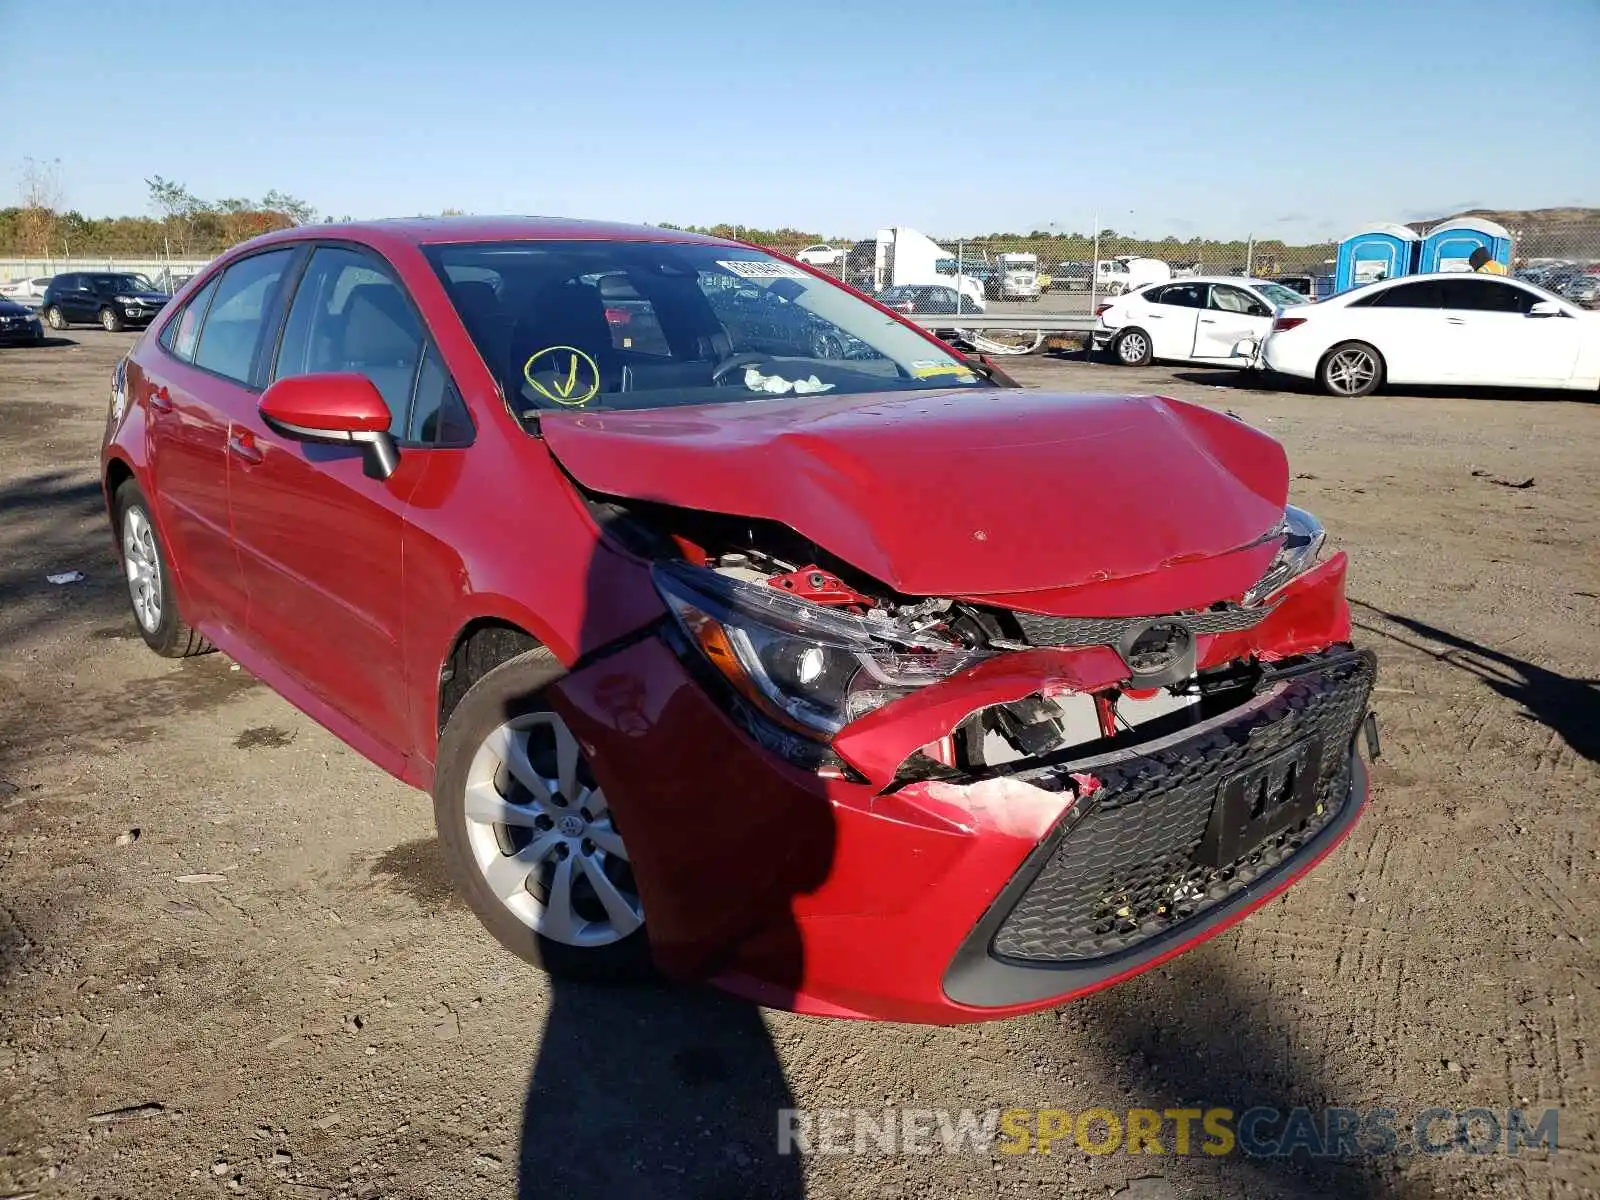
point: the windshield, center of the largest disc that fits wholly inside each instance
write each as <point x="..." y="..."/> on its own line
<point x="623" y="325"/>
<point x="121" y="285"/>
<point x="1282" y="296"/>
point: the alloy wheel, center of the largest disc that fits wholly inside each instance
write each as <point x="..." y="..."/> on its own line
<point x="1132" y="348"/>
<point x="1351" y="372"/>
<point x="143" y="567"/>
<point x="542" y="834"/>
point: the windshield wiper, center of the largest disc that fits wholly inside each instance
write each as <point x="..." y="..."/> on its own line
<point x="983" y="366"/>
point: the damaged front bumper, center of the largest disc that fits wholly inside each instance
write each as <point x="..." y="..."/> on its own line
<point x="1176" y="839"/>
<point x="949" y="899"/>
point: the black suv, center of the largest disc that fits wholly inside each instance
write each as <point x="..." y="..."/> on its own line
<point x="115" y="300"/>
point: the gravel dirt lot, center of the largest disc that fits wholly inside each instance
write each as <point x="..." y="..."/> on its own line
<point x="209" y="905"/>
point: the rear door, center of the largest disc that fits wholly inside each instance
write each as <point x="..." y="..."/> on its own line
<point x="1406" y="323"/>
<point x="1171" y="314"/>
<point x="1232" y="315"/>
<point x="198" y="382"/>
<point x="78" y="301"/>
<point x="319" y="542"/>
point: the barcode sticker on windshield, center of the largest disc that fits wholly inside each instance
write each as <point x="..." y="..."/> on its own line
<point x="762" y="270"/>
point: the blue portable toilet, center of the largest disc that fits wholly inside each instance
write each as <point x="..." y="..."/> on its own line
<point x="1449" y="245"/>
<point x="1380" y="251"/>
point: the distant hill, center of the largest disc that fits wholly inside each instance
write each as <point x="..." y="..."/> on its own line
<point x="1547" y="232"/>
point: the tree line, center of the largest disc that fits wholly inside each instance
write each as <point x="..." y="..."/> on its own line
<point x="184" y="225"/>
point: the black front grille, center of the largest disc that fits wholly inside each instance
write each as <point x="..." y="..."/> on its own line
<point x="1109" y="631"/>
<point x="1135" y="858"/>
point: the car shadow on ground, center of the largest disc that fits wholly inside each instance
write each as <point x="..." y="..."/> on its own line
<point x="1570" y="707"/>
<point x="1244" y="381"/>
<point x="1196" y="1037"/>
<point x="675" y="1092"/>
<point x="669" y="1092"/>
<point x="70" y="513"/>
<point x="1253" y="381"/>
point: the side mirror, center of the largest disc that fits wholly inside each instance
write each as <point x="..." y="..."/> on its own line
<point x="339" y="409"/>
<point x="1545" y="308"/>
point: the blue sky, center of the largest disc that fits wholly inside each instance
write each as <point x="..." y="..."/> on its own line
<point x="1292" y="118"/>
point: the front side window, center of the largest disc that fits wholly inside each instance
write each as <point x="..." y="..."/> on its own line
<point x="1485" y="295"/>
<point x="1284" y="295"/>
<point x="245" y="295"/>
<point x="724" y="323"/>
<point x="121" y="284"/>
<point x="1235" y="300"/>
<point x="438" y="414"/>
<point x="350" y="316"/>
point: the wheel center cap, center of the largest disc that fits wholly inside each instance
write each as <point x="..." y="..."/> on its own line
<point x="571" y="825"/>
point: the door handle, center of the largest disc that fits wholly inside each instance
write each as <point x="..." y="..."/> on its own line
<point x="1207" y="321"/>
<point x="242" y="446"/>
<point x="1454" y="321"/>
<point x="160" y="400"/>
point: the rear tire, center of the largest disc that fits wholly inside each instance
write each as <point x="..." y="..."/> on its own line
<point x="150" y="591"/>
<point x="1132" y="348"/>
<point x="53" y="317"/>
<point x="111" y="320"/>
<point x="1350" y="370"/>
<point x="497" y="868"/>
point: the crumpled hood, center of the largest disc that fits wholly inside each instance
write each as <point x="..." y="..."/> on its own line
<point x="959" y="493"/>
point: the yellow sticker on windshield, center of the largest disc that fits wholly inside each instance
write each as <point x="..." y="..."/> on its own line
<point x="928" y="368"/>
<point x="572" y="378"/>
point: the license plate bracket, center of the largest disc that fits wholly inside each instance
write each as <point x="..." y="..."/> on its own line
<point x="1261" y="801"/>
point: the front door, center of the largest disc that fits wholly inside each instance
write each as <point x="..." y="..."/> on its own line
<point x="320" y="542"/>
<point x="1500" y="342"/>
<point x="1232" y="316"/>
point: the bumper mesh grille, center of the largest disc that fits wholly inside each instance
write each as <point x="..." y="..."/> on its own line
<point x="1109" y="631"/>
<point x="1131" y="865"/>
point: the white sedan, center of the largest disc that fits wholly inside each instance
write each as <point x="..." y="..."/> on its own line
<point x="1212" y="321"/>
<point x="25" y="291"/>
<point x="1463" y="329"/>
<point x="821" y="256"/>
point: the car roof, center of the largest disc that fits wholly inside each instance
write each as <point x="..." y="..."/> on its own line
<point x="1183" y="279"/>
<point x="423" y="231"/>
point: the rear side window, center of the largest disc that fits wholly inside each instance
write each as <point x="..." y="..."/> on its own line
<point x="1184" y="295"/>
<point x="349" y="315"/>
<point x="244" y="297"/>
<point x="1485" y="295"/>
<point x="1405" y="295"/>
<point x="182" y="333"/>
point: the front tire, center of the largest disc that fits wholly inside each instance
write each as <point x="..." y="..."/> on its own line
<point x="54" y="318"/>
<point x="150" y="591"/>
<point x="1350" y="370"/>
<point x="1132" y="348"/>
<point x="528" y="835"/>
<point x="111" y="320"/>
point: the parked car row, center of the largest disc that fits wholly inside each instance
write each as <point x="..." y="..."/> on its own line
<point x="1452" y="328"/>
<point x="114" y="300"/>
<point x="1577" y="282"/>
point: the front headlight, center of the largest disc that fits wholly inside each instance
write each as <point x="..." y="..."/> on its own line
<point x="130" y="301"/>
<point x="806" y="667"/>
<point x="1302" y="536"/>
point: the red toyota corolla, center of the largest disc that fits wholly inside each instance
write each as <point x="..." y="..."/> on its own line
<point x="740" y="629"/>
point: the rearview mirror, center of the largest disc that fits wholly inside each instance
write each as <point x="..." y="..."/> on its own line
<point x="338" y="409"/>
<point x="1545" y="308"/>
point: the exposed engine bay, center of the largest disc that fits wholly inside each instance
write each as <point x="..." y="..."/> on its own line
<point x="812" y="644"/>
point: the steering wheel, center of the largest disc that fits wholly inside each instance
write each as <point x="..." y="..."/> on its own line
<point x="744" y="358"/>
